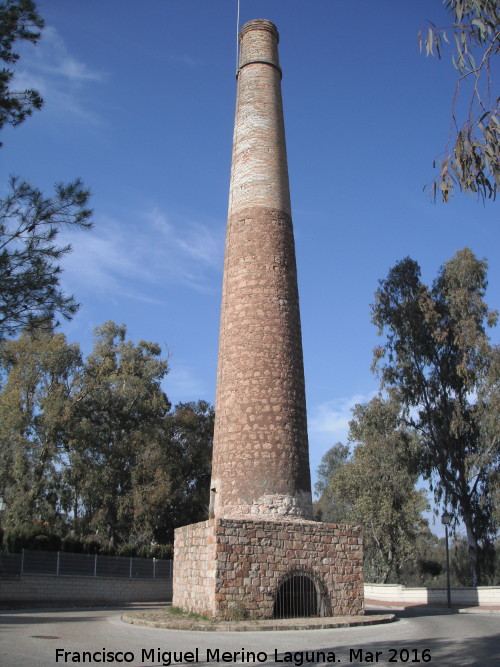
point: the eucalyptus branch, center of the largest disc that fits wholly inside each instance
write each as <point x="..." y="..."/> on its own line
<point x="470" y="163"/>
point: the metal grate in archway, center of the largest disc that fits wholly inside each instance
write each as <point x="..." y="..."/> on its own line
<point x="297" y="597"/>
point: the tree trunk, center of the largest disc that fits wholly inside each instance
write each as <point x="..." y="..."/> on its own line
<point x="75" y="512"/>
<point x="473" y="552"/>
<point x="388" y="566"/>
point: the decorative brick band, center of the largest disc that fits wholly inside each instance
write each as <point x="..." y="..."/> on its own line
<point x="259" y="62"/>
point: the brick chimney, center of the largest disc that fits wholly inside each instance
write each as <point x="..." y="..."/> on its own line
<point x="260" y="463"/>
<point x="260" y="555"/>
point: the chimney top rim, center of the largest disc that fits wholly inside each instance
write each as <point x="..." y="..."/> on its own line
<point x="259" y="24"/>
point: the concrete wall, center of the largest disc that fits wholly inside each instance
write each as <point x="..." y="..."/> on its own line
<point x="78" y="590"/>
<point x="99" y="590"/>
<point x="482" y="595"/>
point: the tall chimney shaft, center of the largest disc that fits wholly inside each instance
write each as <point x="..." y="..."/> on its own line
<point x="261" y="461"/>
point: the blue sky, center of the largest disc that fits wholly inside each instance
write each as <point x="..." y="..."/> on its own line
<point x="140" y="100"/>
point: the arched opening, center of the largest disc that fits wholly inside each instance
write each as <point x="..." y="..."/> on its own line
<point x="297" y="597"/>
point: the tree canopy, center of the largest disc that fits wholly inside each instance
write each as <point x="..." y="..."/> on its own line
<point x="40" y="377"/>
<point x="332" y="506"/>
<point x="439" y="359"/>
<point x="30" y="293"/>
<point x="92" y="448"/>
<point x="375" y="488"/>
<point x="19" y="21"/>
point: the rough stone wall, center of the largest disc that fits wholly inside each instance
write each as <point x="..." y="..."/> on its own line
<point x="195" y="564"/>
<point x="252" y="558"/>
<point x="261" y="461"/>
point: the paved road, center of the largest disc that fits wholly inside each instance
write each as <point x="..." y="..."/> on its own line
<point x="33" y="637"/>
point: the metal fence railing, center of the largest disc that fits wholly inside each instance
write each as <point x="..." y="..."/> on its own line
<point x="83" y="565"/>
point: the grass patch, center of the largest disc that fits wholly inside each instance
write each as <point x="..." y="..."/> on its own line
<point x="176" y="611"/>
<point x="192" y="616"/>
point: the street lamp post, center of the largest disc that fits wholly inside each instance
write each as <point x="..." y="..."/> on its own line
<point x="446" y="520"/>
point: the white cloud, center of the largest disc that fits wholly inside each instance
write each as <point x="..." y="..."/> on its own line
<point x="57" y="75"/>
<point x="52" y="57"/>
<point x="118" y="259"/>
<point x="196" y="241"/>
<point x="331" y="419"/>
<point x="328" y="423"/>
<point x="102" y="262"/>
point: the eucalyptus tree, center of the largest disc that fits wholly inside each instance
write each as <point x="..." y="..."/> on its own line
<point x="331" y="506"/>
<point x="117" y="415"/>
<point x="41" y="373"/>
<point x="171" y="482"/>
<point x="377" y="487"/>
<point x="471" y="158"/>
<point x="91" y="449"/>
<point x="189" y="432"/>
<point x="439" y="358"/>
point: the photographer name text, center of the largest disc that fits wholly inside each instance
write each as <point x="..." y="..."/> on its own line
<point x="217" y="656"/>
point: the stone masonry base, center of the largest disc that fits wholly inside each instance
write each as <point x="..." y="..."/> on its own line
<point x="236" y="568"/>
